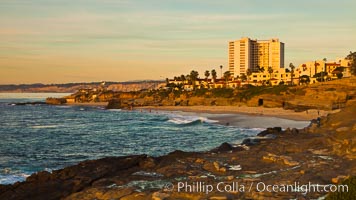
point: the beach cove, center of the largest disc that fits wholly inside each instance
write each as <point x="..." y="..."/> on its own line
<point x="275" y="156"/>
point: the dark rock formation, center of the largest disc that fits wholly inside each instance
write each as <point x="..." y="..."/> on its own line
<point x="274" y="130"/>
<point x="61" y="183"/>
<point x="114" y="104"/>
<point x="56" y="101"/>
<point x="28" y="103"/>
<point x="224" y="147"/>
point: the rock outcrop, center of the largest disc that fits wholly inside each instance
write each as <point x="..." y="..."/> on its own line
<point x="56" y="101"/>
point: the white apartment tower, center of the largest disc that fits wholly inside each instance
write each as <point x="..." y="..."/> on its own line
<point x="250" y="54"/>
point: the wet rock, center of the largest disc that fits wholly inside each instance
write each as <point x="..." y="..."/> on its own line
<point x="274" y="130"/>
<point x="250" y="141"/>
<point x="39" y="176"/>
<point x="114" y="104"/>
<point x="295" y="131"/>
<point x="147" y="163"/>
<point x="56" y="101"/>
<point x="224" y="147"/>
<point x="28" y="103"/>
<point x="62" y="183"/>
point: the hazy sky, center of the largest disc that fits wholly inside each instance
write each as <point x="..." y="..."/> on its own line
<point x="56" y="41"/>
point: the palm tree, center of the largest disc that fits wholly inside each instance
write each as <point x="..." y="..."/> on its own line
<point x="182" y="77"/>
<point x="292" y="67"/>
<point x="194" y="76"/>
<point x="213" y="75"/>
<point x="243" y="77"/>
<point x="316" y="67"/>
<point x="221" y="70"/>
<point x="187" y="77"/>
<point x="227" y="76"/>
<point x="248" y="72"/>
<point x="270" y="71"/>
<point x="325" y="60"/>
<point x="261" y="69"/>
<point x="207" y="74"/>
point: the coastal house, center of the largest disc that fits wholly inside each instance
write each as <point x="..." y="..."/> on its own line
<point x="323" y="69"/>
<point x="276" y="78"/>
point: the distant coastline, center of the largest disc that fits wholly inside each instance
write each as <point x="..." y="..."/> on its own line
<point x="73" y="87"/>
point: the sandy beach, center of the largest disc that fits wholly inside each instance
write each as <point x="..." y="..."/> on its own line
<point x="259" y="111"/>
<point x="260" y="117"/>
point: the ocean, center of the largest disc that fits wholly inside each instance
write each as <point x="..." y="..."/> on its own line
<point x="47" y="137"/>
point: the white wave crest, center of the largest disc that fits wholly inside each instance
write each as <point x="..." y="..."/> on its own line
<point x="12" y="178"/>
<point x="114" y="110"/>
<point x="44" y="126"/>
<point x="180" y="119"/>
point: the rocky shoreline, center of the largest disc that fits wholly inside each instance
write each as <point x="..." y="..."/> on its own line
<point x="323" y="153"/>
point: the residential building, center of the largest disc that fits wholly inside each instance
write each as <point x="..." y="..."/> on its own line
<point x="276" y="78"/>
<point x="312" y="68"/>
<point x="251" y="54"/>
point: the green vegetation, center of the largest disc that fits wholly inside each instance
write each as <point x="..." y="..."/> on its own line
<point x="254" y="91"/>
<point x="207" y="74"/>
<point x="227" y="76"/>
<point x="222" y="92"/>
<point x="243" y="94"/>
<point x="213" y="74"/>
<point x="193" y="77"/>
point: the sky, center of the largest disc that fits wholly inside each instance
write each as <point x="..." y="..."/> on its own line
<point x="60" y="41"/>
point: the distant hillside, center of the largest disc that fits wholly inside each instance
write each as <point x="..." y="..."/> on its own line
<point x="73" y="87"/>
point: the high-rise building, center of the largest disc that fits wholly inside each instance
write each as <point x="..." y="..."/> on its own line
<point x="250" y="54"/>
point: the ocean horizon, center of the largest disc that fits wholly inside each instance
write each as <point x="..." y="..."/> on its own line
<point x="49" y="137"/>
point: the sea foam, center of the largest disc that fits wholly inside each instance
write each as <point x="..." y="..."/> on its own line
<point x="180" y="119"/>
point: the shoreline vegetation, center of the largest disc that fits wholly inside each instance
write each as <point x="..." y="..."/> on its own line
<point x="322" y="153"/>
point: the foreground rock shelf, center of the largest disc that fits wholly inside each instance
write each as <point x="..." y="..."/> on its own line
<point x="320" y="154"/>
